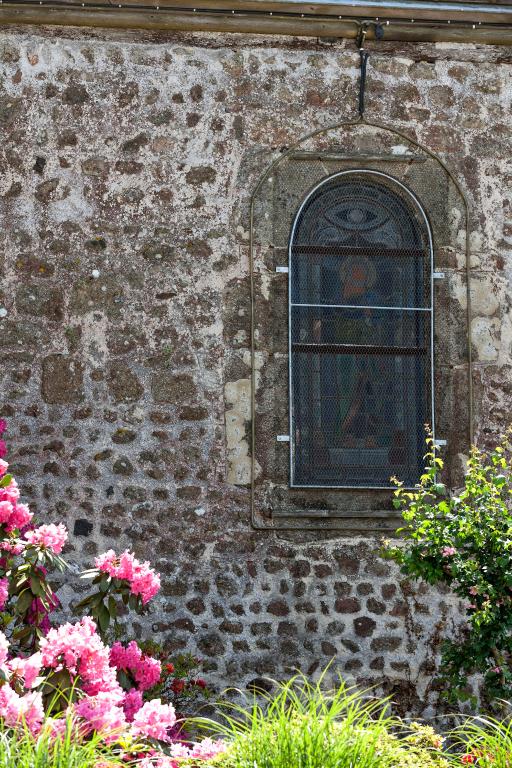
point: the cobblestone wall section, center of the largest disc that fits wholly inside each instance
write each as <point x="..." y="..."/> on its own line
<point x="125" y="170"/>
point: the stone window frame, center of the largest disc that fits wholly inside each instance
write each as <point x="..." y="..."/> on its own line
<point x="273" y="505"/>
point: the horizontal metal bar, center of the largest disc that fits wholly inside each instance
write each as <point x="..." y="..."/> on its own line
<point x="348" y="250"/>
<point x="356" y="349"/>
<point x="406" y="157"/>
<point x="284" y="270"/>
<point x="363" y="306"/>
<point x="339" y="513"/>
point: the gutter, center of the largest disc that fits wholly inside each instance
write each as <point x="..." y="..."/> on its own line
<point x="391" y="20"/>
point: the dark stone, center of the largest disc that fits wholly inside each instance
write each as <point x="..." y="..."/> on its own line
<point x="347" y="605"/>
<point x="261" y="628"/>
<point x="328" y="649"/>
<point x="386" y="643"/>
<point x="364" y="626"/>
<point x="232" y="627"/>
<point x="375" y="606"/>
<point x="45" y="190"/>
<point x="39" y="165"/>
<point x="123" y="435"/>
<point x="82" y="527"/>
<point x="123" y="384"/>
<point x="122" y="466"/>
<point x="342" y="588"/>
<point x="260" y="685"/>
<point x="193" y="413"/>
<point x="211" y="644"/>
<point x="196" y="92"/>
<point x="388" y="590"/>
<point x="300" y="568"/>
<point x="75" y="94"/>
<point x="347" y="565"/>
<point x="201" y="174"/>
<point x="168" y="387"/>
<point x="62" y="380"/>
<point x="133" y="145"/>
<point x="128" y="167"/>
<point x="226" y="586"/>
<point x="196" y="606"/>
<point x="278" y="608"/>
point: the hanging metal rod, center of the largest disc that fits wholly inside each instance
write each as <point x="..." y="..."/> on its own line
<point x="432" y="21"/>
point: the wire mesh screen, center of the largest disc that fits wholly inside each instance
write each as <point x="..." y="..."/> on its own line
<point x="343" y="345"/>
<point x="360" y="319"/>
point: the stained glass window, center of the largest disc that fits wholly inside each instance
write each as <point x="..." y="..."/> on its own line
<point x="360" y="314"/>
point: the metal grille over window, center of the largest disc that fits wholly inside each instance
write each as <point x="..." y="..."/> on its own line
<point x="360" y="333"/>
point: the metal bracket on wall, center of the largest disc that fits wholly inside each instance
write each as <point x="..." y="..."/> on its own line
<point x="438" y="275"/>
<point x="283" y="438"/>
<point x="284" y="270"/>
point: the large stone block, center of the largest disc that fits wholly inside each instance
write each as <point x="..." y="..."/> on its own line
<point x="62" y="380"/>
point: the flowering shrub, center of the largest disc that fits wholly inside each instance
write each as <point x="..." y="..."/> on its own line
<point x="180" y="682"/>
<point x="465" y="541"/>
<point x="47" y="672"/>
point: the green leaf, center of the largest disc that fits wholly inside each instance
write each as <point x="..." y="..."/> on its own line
<point x="103" y="618"/>
<point x="24" y="602"/>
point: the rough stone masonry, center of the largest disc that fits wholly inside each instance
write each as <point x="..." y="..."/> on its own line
<point x="127" y="161"/>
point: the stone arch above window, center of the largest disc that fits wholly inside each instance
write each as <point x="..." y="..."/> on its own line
<point x="405" y="197"/>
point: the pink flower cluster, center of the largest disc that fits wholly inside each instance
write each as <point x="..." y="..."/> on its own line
<point x="52" y="537"/>
<point x="16" y="709"/>
<point x="13" y="515"/>
<point x="181" y="753"/>
<point x="448" y="551"/>
<point x="79" y="649"/>
<point x="154" y="720"/>
<point x="4" y="592"/>
<point x="142" y="579"/>
<point x="144" y="669"/>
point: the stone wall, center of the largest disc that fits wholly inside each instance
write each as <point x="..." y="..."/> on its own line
<point x="126" y="166"/>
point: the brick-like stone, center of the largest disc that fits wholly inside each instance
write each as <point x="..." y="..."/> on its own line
<point x="62" y="380"/>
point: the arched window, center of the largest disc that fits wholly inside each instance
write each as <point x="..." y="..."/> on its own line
<point x="360" y="333"/>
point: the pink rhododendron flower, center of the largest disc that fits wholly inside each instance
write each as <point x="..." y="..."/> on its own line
<point x="3" y="449"/>
<point x="3" y="467"/>
<point x="132" y="703"/>
<point x="473" y="590"/>
<point x="52" y="537"/>
<point x="4" y="648"/>
<point x="154" y="720"/>
<point x="496" y="670"/>
<point x="27" y="669"/>
<point x="3" y="426"/>
<point x="206" y="749"/>
<point x="448" y="551"/>
<point x="21" y="710"/>
<point x="102" y="713"/>
<point x="141" y="577"/>
<point x="13" y="549"/>
<point x="79" y="649"/>
<point x="145" y="670"/>
<point x="4" y="592"/>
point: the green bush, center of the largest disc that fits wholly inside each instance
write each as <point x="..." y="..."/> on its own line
<point x="302" y="726"/>
<point x="464" y="540"/>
